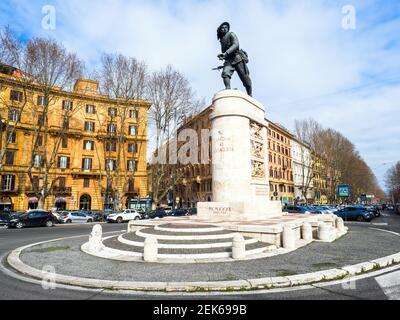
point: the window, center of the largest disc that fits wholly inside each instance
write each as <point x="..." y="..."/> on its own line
<point x="111" y="164"/>
<point x="40" y="141"/>
<point x="89" y="126"/>
<point x="37" y="160"/>
<point x="13" y="115"/>
<point x="131" y="165"/>
<point x="11" y="136"/>
<point x="67" y="105"/>
<point x="88" y="145"/>
<point x="9" y="158"/>
<point x="132" y="147"/>
<point x="111" y="146"/>
<point x="16" y="95"/>
<point x="8" y="182"/>
<point x="112" y="112"/>
<point x="64" y="142"/>
<point x="40" y="119"/>
<point x="86" y="182"/>
<point x="133" y="114"/>
<point x="63" y="162"/>
<point x="131" y="185"/>
<point x="65" y="124"/>
<point x="87" y="164"/>
<point x="41" y="101"/>
<point x="61" y="182"/>
<point x="90" y="109"/>
<point x="35" y="182"/>
<point x="111" y="128"/>
<point x="132" y="130"/>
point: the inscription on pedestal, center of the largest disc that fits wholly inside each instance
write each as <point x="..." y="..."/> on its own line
<point x="224" y="143"/>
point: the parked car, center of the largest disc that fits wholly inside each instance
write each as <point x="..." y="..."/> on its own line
<point x="375" y="210"/>
<point x="159" y="213"/>
<point x="33" y="218"/>
<point x="75" y="216"/>
<point x="192" y="211"/>
<point x="123" y="216"/>
<point x="181" y="212"/>
<point x="355" y="213"/>
<point x="4" y="218"/>
<point x="97" y="215"/>
<point x="297" y="209"/>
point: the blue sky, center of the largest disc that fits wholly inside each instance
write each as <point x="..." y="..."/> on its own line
<point x="303" y="63"/>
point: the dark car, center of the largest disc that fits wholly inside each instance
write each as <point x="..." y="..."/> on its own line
<point x="181" y="212"/>
<point x="297" y="209"/>
<point x="192" y="212"/>
<point x="4" y="218"/>
<point x="159" y="213"/>
<point x="355" y="213"/>
<point x="98" y="216"/>
<point x="34" y="218"/>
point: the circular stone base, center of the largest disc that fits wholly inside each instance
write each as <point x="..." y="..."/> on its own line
<point x="316" y="262"/>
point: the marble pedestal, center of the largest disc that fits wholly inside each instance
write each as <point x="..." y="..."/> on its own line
<point x="240" y="180"/>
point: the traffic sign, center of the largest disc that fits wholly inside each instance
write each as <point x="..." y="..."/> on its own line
<point x="344" y="190"/>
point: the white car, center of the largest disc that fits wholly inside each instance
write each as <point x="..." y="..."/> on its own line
<point x="123" y="216"/>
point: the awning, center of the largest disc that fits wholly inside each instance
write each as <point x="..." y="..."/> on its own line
<point x="61" y="200"/>
<point x="33" y="200"/>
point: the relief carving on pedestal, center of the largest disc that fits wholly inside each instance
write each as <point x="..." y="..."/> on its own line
<point x="257" y="169"/>
<point x="255" y="130"/>
<point x="257" y="149"/>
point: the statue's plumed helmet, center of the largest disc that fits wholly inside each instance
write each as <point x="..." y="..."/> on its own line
<point x="219" y="28"/>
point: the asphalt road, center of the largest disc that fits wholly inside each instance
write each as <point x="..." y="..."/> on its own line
<point x="378" y="286"/>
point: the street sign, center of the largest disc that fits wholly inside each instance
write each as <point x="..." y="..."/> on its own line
<point x="344" y="191"/>
<point x="275" y="194"/>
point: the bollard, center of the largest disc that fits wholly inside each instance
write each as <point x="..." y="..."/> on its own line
<point x="324" y="232"/>
<point x="150" y="249"/>
<point x="340" y="224"/>
<point x="131" y="226"/>
<point x="288" y="241"/>
<point x="306" y="231"/>
<point x="95" y="243"/>
<point x="238" y="247"/>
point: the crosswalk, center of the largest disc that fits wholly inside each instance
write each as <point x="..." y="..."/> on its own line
<point x="390" y="284"/>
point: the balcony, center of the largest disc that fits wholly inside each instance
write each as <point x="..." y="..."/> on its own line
<point x="86" y="172"/>
<point x="14" y="190"/>
<point x="62" y="190"/>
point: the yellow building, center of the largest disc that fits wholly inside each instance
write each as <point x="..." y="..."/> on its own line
<point x="280" y="163"/>
<point x="80" y="144"/>
<point x="320" y="180"/>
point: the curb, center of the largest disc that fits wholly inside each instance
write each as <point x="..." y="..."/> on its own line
<point x="15" y="262"/>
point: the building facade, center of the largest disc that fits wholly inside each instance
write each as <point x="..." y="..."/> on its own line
<point x="78" y="145"/>
<point x="280" y="164"/>
<point x="302" y="172"/>
<point x="193" y="182"/>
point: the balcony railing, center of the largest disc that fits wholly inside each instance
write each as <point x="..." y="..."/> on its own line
<point x="62" y="190"/>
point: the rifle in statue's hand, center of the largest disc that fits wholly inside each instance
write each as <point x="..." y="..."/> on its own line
<point x="218" y="68"/>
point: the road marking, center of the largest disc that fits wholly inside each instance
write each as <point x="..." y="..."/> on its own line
<point x="388" y="231"/>
<point x="390" y="284"/>
<point x="380" y="224"/>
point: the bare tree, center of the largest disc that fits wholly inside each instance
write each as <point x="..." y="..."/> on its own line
<point x="172" y="100"/>
<point x="45" y="67"/>
<point x="392" y="182"/>
<point x="123" y="79"/>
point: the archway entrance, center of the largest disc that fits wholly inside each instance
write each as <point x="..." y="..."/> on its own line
<point x="33" y="203"/>
<point x="85" y="202"/>
<point x="60" y="203"/>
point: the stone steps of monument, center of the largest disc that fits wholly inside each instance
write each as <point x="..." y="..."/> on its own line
<point x="170" y="235"/>
<point x="205" y="253"/>
<point x="135" y="240"/>
<point x="188" y="228"/>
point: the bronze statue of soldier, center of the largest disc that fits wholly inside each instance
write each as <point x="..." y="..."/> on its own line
<point x="235" y="58"/>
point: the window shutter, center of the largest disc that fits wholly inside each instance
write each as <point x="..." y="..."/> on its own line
<point x="68" y="161"/>
<point x="12" y="182"/>
<point x="83" y="163"/>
